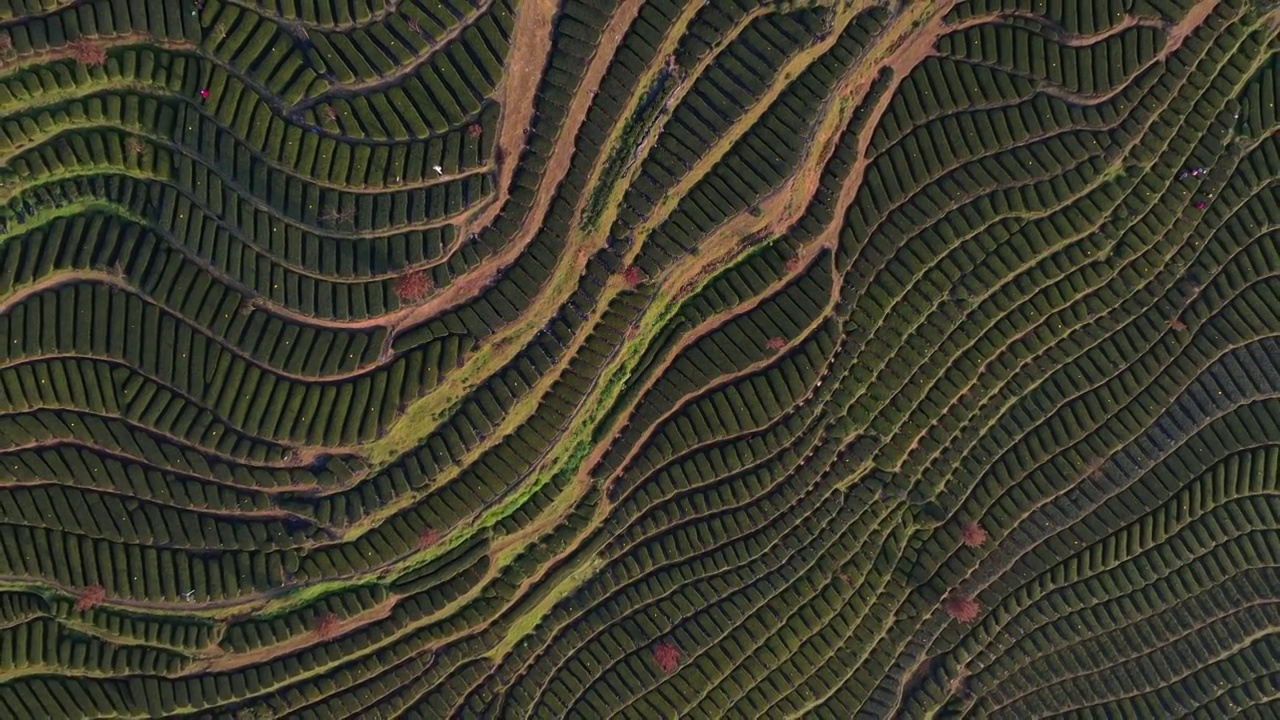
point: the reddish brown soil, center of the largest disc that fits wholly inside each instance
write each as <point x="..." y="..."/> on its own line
<point x="512" y="140"/>
<point x="216" y="660"/>
<point x="1199" y="12"/>
<point x="530" y="46"/>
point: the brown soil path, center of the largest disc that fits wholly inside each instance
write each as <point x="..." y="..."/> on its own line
<point x="750" y="118"/>
<point x="513" y="135"/>
<point x="1079" y="41"/>
<point x="781" y="206"/>
<point x="479" y="278"/>
<point x="517" y="95"/>
<point x="53" y="280"/>
<point x="586" y="241"/>
<point x="1199" y="12"/>
<point x="901" y="58"/>
<point x="217" y="660"/>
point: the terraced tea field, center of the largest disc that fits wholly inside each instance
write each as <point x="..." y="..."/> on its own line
<point x="639" y="358"/>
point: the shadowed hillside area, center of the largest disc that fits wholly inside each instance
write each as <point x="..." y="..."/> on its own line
<point x="643" y="359"/>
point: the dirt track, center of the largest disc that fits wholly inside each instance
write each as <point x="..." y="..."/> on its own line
<point x="479" y="278"/>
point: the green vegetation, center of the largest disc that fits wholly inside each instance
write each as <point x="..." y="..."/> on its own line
<point x="633" y="135"/>
<point x="659" y="359"/>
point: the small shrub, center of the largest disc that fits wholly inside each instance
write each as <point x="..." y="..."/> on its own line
<point x="1177" y="325"/>
<point x="961" y="607"/>
<point x="667" y="657"/>
<point x="88" y="53"/>
<point x="972" y="535"/>
<point x="335" y="217"/>
<point x="90" y="598"/>
<point x="257" y="712"/>
<point x="413" y="287"/>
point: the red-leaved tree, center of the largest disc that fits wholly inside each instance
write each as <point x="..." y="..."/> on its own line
<point x="413" y="286"/>
<point x="633" y="276"/>
<point x="88" y="53"/>
<point x="428" y="538"/>
<point x="667" y="657"/>
<point x="961" y="607"/>
<point x="90" y="598"/>
<point x="326" y="626"/>
<point x="775" y="343"/>
<point x="1177" y="325"/>
<point x="474" y="130"/>
<point x="972" y="535"/>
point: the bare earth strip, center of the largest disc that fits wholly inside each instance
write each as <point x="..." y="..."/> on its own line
<point x="468" y="287"/>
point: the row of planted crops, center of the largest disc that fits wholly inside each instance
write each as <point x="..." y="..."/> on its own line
<point x="791" y="359"/>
